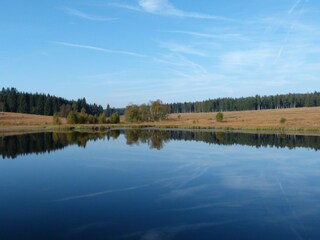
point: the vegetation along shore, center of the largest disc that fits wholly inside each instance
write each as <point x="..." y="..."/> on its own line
<point x="28" y="112"/>
<point x="297" y="120"/>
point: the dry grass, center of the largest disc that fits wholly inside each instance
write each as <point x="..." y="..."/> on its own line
<point x="296" y="119"/>
<point x="18" y="119"/>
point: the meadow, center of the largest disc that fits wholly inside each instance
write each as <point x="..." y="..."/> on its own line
<point x="293" y="119"/>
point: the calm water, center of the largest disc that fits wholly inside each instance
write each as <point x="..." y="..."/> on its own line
<point x="159" y="185"/>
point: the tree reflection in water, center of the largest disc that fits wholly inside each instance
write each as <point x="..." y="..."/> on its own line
<point x="12" y="146"/>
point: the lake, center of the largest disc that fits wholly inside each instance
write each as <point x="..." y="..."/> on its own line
<point x="150" y="184"/>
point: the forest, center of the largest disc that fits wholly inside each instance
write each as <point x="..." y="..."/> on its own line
<point x="248" y="103"/>
<point x="12" y="100"/>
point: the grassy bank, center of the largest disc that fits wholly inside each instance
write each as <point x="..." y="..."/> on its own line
<point x="297" y="121"/>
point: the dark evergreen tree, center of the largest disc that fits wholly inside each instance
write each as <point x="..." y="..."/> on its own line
<point x="47" y="106"/>
<point x="14" y="101"/>
<point x="23" y="106"/>
<point x="108" y="111"/>
<point x="248" y="103"/>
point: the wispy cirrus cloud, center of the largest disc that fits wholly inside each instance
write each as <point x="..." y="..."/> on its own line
<point x="181" y="48"/>
<point x="126" y="6"/>
<point x="178" y="63"/>
<point x="252" y="57"/>
<point x="208" y="35"/>
<point x="80" y="14"/>
<point x="165" y="8"/>
<point x="99" y="49"/>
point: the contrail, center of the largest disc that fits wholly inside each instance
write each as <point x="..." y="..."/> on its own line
<point x="294" y="6"/>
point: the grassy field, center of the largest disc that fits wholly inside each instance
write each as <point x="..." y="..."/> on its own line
<point x="19" y="119"/>
<point x="298" y="119"/>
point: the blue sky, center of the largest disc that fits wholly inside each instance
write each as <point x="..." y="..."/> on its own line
<point x="122" y="51"/>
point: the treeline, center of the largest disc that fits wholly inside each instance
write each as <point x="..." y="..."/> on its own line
<point x="12" y="100"/>
<point x="248" y="103"/>
<point x="109" y="111"/>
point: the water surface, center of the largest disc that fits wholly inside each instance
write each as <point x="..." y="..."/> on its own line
<point x="138" y="184"/>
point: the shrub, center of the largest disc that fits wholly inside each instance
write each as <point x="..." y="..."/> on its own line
<point x="114" y="118"/>
<point x="56" y="119"/>
<point x="132" y="113"/>
<point x="219" y="117"/>
<point x="102" y="118"/>
<point x="72" y="117"/>
<point x="283" y="120"/>
<point x="90" y="119"/>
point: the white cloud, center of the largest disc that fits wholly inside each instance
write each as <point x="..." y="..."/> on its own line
<point x="287" y="24"/>
<point x="257" y="54"/>
<point x="181" y="48"/>
<point x="155" y="5"/>
<point x="250" y="57"/>
<point x="98" y="49"/>
<point x="125" y="6"/>
<point x="180" y="62"/>
<point x="83" y="15"/>
<point x="209" y="35"/>
<point x="164" y="7"/>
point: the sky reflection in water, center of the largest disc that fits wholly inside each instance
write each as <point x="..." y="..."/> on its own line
<point x="159" y="187"/>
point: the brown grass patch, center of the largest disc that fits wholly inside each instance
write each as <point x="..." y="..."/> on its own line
<point x="295" y="118"/>
<point x="19" y="119"/>
<point x="298" y="119"/>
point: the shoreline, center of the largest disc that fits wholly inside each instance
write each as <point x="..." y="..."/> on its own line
<point x="297" y="121"/>
<point x="18" y="130"/>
